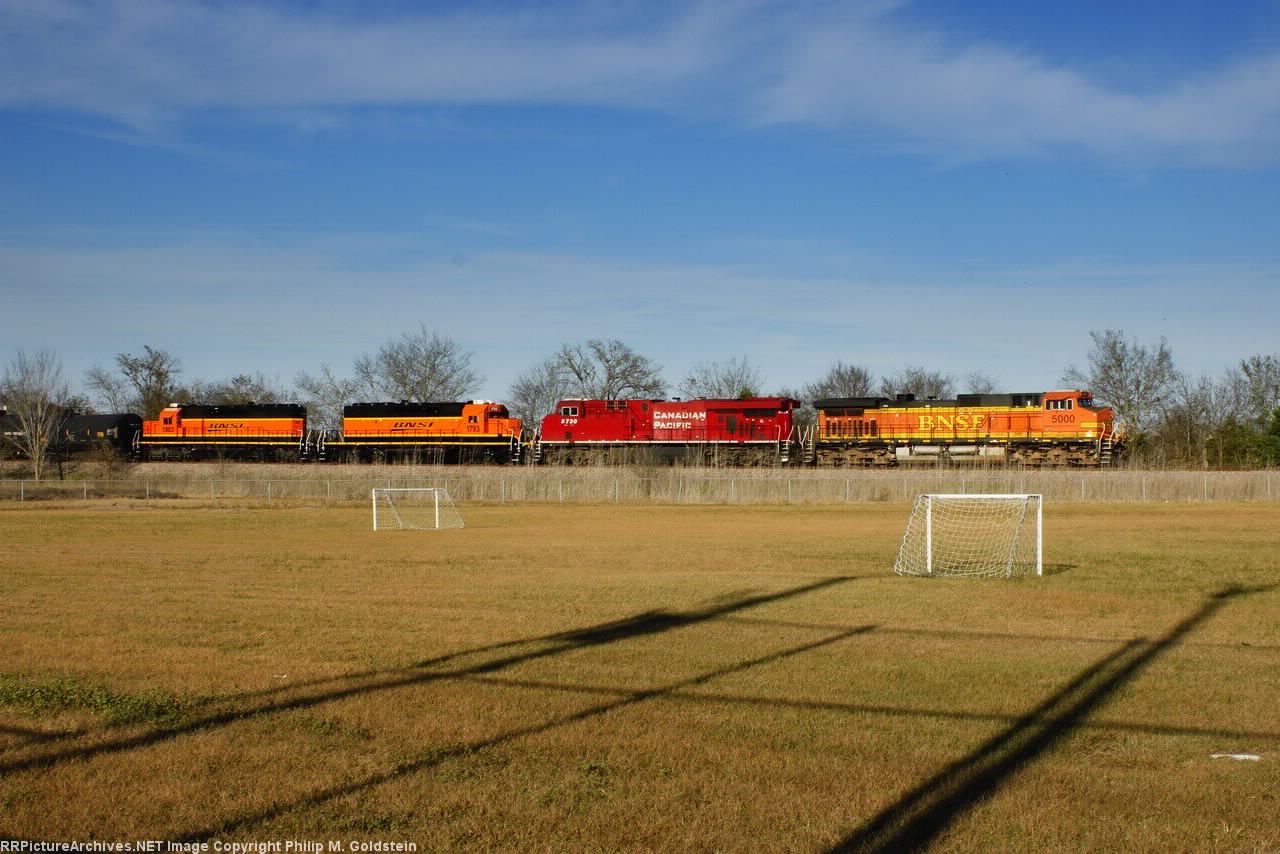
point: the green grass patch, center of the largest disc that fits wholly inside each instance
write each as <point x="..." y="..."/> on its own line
<point x="51" y="696"/>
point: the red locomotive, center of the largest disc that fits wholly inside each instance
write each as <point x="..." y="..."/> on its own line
<point x="750" y="431"/>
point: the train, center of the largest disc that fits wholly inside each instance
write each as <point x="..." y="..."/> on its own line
<point x="1052" y="428"/>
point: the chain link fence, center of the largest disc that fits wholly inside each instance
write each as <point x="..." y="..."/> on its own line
<point x="671" y="486"/>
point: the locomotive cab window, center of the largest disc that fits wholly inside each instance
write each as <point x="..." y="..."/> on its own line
<point x="472" y="419"/>
<point x="569" y="410"/>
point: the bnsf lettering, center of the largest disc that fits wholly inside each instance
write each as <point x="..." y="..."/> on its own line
<point x="215" y="426"/>
<point x="951" y="422"/>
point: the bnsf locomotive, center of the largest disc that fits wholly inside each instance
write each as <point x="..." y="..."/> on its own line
<point x="1054" y="428"/>
<point x="1050" y="428"/>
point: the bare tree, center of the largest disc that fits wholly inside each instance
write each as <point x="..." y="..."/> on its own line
<point x="33" y="389"/>
<point x="112" y="390"/>
<point x="736" y="378"/>
<point x="980" y="382"/>
<point x="240" y="389"/>
<point x="536" y="391"/>
<point x="1261" y="376"/>
<point x="418" y="366"/>
<point x="924" y="384"/>
<point x="1135" y="379"/>
<point x="840" y="380"/>
<point x="609" y="370"/>
<point x="326" y="396"/>
<point x="145" y="384"/>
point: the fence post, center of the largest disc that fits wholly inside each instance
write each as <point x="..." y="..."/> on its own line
<point x="22" y="491"/>
<point x="148" y="490"/>
<point x="85" y="490"/>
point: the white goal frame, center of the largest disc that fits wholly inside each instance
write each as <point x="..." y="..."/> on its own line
<point x="908" y="561"/>
<point x="438" y="514"/>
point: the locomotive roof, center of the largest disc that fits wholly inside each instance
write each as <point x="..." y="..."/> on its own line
<point x="910" y="402"/>
<point x="717" y="401"/>
<point x="405" y="409"/>
<point x="243" y="410"/>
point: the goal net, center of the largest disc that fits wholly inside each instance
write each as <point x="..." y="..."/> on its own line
<point x="425" y="509"/>
<point x="973" y="535"/>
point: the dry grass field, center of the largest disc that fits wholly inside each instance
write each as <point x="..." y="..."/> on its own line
<point x="622" y="677"/>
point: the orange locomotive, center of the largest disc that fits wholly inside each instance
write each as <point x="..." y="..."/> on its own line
<point x="445" y="432"/>
<point x="257" y="431"/>
<point x="1041" y="428"/>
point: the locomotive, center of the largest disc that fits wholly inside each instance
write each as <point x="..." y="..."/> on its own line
<point x="266" y="431"/>
<point x="750" y="432"/>
<point x="478" y="431"/>
<point x="1053" y="428"/>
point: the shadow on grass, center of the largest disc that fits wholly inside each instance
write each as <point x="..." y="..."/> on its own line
<point x="278" y="700"/>
<point x="1057" y="568"/>
<point x="913" y="822"/>
<point x="922" y="814"/>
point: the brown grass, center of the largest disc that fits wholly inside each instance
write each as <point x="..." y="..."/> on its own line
<point x="631" y="677"/>
<point x="336" y="484"/>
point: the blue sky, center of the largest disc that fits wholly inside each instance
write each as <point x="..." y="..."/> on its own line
<point x="265" y="187"/>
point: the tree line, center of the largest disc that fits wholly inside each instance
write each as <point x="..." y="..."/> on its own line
<point x="1170" y="417"/>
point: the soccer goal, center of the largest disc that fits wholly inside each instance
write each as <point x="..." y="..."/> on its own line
<point x="973" y="535"/>
<point x="425" y="509"/>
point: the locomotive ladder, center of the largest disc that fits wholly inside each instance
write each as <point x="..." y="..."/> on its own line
<point x="1105" y="445"/>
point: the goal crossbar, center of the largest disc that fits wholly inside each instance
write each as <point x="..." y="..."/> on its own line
<point x="970" y="534"/>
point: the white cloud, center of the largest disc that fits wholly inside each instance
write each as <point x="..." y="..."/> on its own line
<point x="860" y="68"/>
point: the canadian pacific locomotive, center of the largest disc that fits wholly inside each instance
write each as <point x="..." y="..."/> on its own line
<point x="752" y="432"/>
<point x="1054" y="428"/>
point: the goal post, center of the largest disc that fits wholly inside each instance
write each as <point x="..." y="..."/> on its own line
<point x="417" y="509"/>
<point x="973" y="535"/>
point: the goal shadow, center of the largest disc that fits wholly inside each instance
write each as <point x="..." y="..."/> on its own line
<point x="922" y="814"/>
